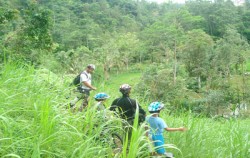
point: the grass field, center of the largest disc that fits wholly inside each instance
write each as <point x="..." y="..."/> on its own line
<point x="113" y="84"/>
<point x="33" y="122"/>
<point x="248" y="66"/>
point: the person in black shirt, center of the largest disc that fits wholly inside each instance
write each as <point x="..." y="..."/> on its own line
<point x="127" y="107"/>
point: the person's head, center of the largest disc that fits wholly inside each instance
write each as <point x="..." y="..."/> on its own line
<point x="101" y="96"/>
<point x="155" y="107"/>
<point x="90" y="68"/>
<point x="125" y="89"/>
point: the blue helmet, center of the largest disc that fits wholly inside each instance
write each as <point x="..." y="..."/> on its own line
<point x="155" y="107"/>
<point x="101" y="96"/>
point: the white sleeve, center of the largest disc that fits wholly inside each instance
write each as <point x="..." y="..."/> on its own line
<point x="83" y="77"/>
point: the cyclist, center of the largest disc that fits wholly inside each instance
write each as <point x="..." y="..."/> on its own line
<point x="100" y="98"/>
<point x="157" y="126"/>
<point x="107" y="135"/>
<point x="85" y="88"/>
<point x="127" y="107"/>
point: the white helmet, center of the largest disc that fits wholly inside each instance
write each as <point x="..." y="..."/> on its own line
<point x="125" y="88"/>
<point x="91" y="66"/>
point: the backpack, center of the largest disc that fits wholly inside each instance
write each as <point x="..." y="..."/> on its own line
<point x="76" y="80"/>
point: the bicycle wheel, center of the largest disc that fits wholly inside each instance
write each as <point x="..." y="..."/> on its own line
<point x="117" y="143"/>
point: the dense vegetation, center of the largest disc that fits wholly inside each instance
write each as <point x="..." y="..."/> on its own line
<point x="200" y="47"/>
<point x="194" y="57"/>
<point x="33" y="123"/>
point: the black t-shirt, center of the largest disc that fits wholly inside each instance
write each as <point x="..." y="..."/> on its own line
<point x="126" y="107"/>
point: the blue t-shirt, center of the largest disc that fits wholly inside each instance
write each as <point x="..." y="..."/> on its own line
<point x="157" y="125"/>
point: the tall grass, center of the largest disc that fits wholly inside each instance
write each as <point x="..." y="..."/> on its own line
<point x="33" y="123"/>
<point x="209" y="138"/>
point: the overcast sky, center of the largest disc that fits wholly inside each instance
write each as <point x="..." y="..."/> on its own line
<point x="161" y="1"/>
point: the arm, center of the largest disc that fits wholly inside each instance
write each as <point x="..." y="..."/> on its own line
<point x="88" y="85"/>
<point x="175" y="129"/>
<point x="141" y="111"/>
<point x="113" y="105"/>
<point x="146" y="129"/>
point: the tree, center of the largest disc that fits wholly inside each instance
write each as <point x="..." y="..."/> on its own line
<point x="156" y="84"/>
<point x="73" y="60"/>
<point x="108" y="55"/>
<point x="6" y="17"/>
<point x="245" y="17"/>
<point x="197" y="49"/>
<point x="37" y="28"/>
<point x="33" y="34"/>
<point x="166" y="37"/>
<point x="218" y="15"/>
<point x="231" y="52"/>
<point x="128" y="47"/>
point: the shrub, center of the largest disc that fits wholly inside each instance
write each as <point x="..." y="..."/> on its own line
<point x="157" y="84"/>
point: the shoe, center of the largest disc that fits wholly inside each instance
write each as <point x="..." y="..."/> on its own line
<point x="169" y="155"/>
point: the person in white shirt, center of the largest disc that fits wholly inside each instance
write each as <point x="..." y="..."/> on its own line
<point x="84" y="88"/>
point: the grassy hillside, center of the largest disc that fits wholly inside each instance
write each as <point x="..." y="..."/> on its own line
<point x="33" y="122"/>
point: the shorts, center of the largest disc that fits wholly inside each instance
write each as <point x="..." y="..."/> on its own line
<point x="158" y="141"/>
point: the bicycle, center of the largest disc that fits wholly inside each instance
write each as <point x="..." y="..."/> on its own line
<point x="117" y="143"/>
<point x="112" y="139"/>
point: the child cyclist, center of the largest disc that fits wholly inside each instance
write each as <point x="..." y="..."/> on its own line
<point x="157" y="127"/>
<point x="100" y="98"/>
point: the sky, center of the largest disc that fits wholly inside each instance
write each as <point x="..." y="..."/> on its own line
<point x="161" y="1"/>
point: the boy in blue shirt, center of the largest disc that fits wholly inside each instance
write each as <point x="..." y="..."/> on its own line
<point x="157" y="127"/>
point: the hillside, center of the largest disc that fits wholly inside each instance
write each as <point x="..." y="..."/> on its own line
<point x="193" y="57"/>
